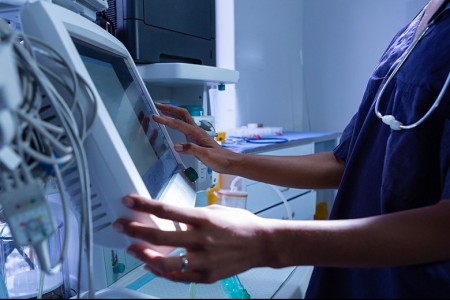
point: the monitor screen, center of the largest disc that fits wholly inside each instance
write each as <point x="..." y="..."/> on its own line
<point x="132" y="114"/>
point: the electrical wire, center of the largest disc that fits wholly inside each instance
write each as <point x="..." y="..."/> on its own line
<point x="234" y="182"/>
<point x="38" y="141"/>
<point x="285" y="202"/>
<point x="86" y="218"/>
<point x="276" y="190"/>
<point x="40" y="285"/>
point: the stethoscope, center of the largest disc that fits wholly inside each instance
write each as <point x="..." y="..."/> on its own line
<point x="261" y="140"/>
<point x="390" y="119"/>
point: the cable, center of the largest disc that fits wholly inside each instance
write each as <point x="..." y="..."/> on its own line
<point x="40" y="285"/>
<point x="234" y="182"/>
<point x="283" y="198"/>
<point x="56" y="142"/>
<point x="274" y="187"/>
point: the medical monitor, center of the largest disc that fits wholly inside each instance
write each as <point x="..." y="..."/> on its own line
<point x="127" y="151"/>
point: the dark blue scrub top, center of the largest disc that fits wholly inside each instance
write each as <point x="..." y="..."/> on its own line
<point x="388" y="171"/>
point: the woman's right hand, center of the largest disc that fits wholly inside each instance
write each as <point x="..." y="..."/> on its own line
<point x="200" y="143"/>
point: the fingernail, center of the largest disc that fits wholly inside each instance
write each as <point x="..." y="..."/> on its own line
<point x="118" y="227"/>
<point x="178" y="147"/>
<point x="128" y="202"/>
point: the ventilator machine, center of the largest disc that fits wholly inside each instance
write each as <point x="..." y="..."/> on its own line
<point x="76" y="136"/>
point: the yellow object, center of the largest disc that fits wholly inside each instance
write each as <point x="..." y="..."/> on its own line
<point x="221" y="136"/>
<point x="212" y="198"/>
<point x="321" y="211"/>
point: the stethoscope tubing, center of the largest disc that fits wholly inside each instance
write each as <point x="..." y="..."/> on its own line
<point x="389" y="119"/>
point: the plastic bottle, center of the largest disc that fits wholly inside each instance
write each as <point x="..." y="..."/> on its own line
<point x="233" y="288"/>
<point x="212" y="192"/>
<point x="3" y="288"/>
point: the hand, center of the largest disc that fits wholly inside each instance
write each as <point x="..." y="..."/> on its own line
<point x="200" y="144"/>
<point x="219" y="241"/>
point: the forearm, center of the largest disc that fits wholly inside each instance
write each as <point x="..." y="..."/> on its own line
<point x="404" y="238"/>
<point x="321" y="170"/>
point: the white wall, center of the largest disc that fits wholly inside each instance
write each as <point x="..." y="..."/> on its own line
<point x="340" y="42"/>
<point x="268" y="43"/>
<point x="223" y="103"/>
<point x="343" y="40"/>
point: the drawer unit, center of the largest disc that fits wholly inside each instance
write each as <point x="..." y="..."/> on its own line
<point x="294" y="150"/>
<point x="262" y="196"/>
<point x="302" y="208"/>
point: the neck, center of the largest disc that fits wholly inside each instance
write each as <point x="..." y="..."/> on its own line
<point x="430" y="10"/>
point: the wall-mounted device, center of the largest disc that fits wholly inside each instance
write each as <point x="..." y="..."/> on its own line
<point x="157" y="31"/>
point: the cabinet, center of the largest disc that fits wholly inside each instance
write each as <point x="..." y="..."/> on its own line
<point x="272" y="201"/>
<point x="263" y="197"/>
<point x="301" y="207"/>
<point x="269" y="201"/>
<point x="277" y="202"/>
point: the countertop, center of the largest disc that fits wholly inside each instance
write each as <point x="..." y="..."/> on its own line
<point x="287" y="139"/>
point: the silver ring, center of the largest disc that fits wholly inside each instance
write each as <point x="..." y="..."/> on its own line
<point x="184" y="262"/>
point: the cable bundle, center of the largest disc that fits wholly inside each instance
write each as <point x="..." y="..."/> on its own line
<point x="52" y="121"/>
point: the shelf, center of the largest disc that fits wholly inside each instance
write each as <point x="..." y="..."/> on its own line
<point x="186" y="74"/>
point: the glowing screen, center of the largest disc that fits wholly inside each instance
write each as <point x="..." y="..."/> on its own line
<point x="131" y="112"/>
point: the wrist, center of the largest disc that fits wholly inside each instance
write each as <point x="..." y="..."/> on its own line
<point x="234" y="163"/>
<point x="270" y="245"/>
